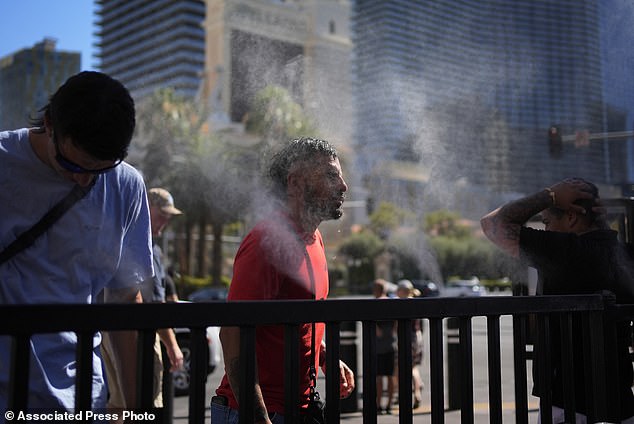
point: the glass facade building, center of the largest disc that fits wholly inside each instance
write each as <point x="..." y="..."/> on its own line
<point x="617" y="21"/>
<point x="469" y="89"/>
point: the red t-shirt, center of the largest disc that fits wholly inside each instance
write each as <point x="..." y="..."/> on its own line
<point x="271" y="264"/>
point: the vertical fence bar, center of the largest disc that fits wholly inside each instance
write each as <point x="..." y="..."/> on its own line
<point x="567" y="366"/>
<point x="83" y="379"/>
<point x="594" y="342"/>
<point x="405" y="415"/>
<point x="145" y="369"/>
<point x="436" y="364"/>
<point x="454" y="378"/>
<point x="348" y="354"/>
<point x="332" y="372"/>
<point x="369" y="372"/>
<point x="291" y="375"/>
<point x="495" y="372"/>
<point x="246" y="394"/>
<point x="519" y="368"/>
<point x="167" y="380"/>
<point x="466" y="368"/>
<point x="197" y="372"/>
<point x="19" y="372"/>
<point x="611" y="327"/>
<point x="544" y="367"/>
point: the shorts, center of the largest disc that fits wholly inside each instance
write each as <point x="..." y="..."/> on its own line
<point x="114" y="381"/>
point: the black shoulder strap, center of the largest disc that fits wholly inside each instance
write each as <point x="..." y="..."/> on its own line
<point x="312" y="372"/>
<point x="28" y="237"/>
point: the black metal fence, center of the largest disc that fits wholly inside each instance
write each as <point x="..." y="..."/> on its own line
<point x="597" y="313"/>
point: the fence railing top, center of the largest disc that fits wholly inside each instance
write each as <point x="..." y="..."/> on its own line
<point x="29" y="319"/>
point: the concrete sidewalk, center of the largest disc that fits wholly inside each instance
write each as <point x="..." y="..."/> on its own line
<point x="423" y="415"/>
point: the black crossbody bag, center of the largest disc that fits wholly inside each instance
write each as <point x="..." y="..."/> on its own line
<point x="316" y="411"/>
<point x="28" y="237"/>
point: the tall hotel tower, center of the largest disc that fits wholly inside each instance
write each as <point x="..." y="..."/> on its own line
<point x="226" y="50"/>
<point x="468" y="90"/>
<point x="151" y="44"/>
<point x="301" y="45"/>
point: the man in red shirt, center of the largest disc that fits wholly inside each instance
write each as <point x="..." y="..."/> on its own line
<point x="283" y="258"/>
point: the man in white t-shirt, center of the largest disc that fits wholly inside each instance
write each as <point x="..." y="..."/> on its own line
<point x="101" y="243"/>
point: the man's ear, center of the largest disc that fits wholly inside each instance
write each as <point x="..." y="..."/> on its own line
<point x="47" y="125"/>
<point x="293" y="183"/>
<point x="573" y="219"/>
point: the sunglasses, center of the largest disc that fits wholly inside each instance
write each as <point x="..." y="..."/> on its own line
<point x="72" y="167"/>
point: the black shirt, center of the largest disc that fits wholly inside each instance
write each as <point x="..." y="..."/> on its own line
<point x="581" y="264"/>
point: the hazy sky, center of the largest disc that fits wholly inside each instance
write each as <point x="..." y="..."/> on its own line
<point x="26" y="22"/>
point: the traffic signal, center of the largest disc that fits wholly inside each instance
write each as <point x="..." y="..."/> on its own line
<point x="555" y="145"/>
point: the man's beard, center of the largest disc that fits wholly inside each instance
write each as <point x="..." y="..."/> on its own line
<point x="323" y="209"/>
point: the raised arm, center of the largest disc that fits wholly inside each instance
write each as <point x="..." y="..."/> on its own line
<point x="502" y="226"/>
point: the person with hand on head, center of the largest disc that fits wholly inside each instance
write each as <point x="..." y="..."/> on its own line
<point x="282" y="258"/>
<point x="162" y="210"/>
<point x="577" y="253"/>
<point x="101" y="243"/>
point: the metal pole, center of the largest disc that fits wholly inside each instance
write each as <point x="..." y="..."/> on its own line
<point x="600" y="136"/>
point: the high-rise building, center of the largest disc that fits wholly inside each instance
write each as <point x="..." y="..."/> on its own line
<point x="28" y="77"/>
<point x="302" y="45"/>
<point x="226" y="50"/>
<point x="467" y="90"/>
<point x="617" y="17"/>
<point x="152" y="44"/>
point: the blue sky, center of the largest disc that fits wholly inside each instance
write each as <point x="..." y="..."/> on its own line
<point x="26" y="22"/>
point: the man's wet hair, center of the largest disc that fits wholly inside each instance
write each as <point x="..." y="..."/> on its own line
<point x="96" y="112"/>
<point x="297" y="151"/>
<point x="586" y="204"/>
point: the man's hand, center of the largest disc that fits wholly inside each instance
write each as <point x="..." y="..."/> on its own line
<point x="176" y="359"/>
<point x="346" y="379"/>
<point x="171" y="347"/>
<point x="568" y="191"/>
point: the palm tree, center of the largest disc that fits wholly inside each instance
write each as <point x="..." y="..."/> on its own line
<point x="213" y="175"/>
